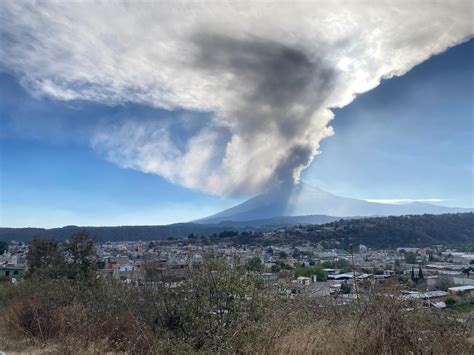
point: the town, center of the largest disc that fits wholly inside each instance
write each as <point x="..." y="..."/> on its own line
<point x="435" y="275"/>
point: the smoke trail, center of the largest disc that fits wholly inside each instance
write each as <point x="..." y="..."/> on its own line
<point x="267" y="75"/>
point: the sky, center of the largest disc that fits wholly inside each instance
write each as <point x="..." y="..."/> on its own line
<point x="156" y="124"/>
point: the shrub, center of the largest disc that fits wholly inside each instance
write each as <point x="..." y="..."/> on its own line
<point x="216" y="308"/>
<point x="450" y="301"/>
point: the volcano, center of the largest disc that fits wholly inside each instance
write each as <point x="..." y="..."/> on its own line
<point x="300" y="199"/>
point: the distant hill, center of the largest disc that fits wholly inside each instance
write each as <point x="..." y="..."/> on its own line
<point x="376" y="232"/>
<point x="120" y="233"/>
<point x="380" y="232"/>
<point x="177" y="230"/>
<point x="280" y="221"/>
<point x="289" y="199"/>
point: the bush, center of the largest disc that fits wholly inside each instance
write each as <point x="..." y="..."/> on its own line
<point x="309" y="271"/>
<point x="375" y="324"/>
<point x="450" y="302"/>
<point x="216" y="308"/>
<point x="67" y="312"/>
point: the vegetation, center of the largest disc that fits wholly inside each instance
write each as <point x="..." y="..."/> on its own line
<point x="410" y="258"/>
<point x="379" y="233"/>
<point x="392" y="232"/>
<point x="3" y="246"/>
<point x="342" y="264"/>
<point x="214" y="308"/>
<point x="309" y="271"/>
<point x="254" y="264"/>
<point x="75" y="259"/>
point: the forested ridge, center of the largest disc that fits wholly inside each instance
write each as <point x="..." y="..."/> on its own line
<point x="376" y="232"/>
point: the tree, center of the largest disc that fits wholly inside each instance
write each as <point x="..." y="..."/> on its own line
<point x="270" y="250"/>
<point x="228" y="234"/>
<point x="212" y="306"/>
<point x="254" y="264"/>
<point x="44" y="256"/>
<point x="420" y="274"/>
<point x="80" y="255"/>
<point x="275" y="268"/>
<point x="345" y="288"/>
<point x="450" y="302"/>
<point x="282" y="255"/>
<point x="413" y="278"/>
<point x="466" y="271"/>
<point x="341" y="264"/>
<point x="309" y="271"/>
<point x="410" y="258"/>
<point x="3" y="246"/>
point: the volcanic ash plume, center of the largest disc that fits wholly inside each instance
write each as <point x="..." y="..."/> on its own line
<point x="248" y="87"/>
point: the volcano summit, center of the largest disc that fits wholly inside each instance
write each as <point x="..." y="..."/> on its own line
<point x="301" y="199"/>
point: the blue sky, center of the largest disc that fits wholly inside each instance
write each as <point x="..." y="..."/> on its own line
<point x="409" y="138"/>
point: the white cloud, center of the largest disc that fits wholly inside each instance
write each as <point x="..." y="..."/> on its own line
<point x="269" y="73"/>
<point x="400" y="201"/>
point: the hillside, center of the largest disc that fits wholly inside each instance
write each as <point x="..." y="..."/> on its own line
<point x="119" y="233"/>
<point x="380" y="232"/>
<point x="376" y="232"/>
<point x="177" y="230"/>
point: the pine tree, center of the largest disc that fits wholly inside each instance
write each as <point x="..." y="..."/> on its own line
<point x="413" y="278"/>
<point x="420" y="273"/>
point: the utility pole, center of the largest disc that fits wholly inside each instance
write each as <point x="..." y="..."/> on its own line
<point x="354" y="273"/>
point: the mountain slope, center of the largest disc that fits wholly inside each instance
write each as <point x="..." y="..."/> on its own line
<point x="374" y="232"/>
<point x="288" y="199"/>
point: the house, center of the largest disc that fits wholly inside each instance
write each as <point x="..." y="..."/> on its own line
<point x="465" y="291"/>
<point x="431" y="296"/>
<point x="303" y="280"/>
<point x="11" y="272"/>
<point x="348" y="276"/>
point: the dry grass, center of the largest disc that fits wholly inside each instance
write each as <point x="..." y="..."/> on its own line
<point x="377" y="324"/>
<point x="58" y="317"/>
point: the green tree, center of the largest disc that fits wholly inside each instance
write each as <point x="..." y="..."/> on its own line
<point x="450" y="301"/>
<point x="228" y="234"/>
<point x="282" y="255"/>
<point x="413" y="277"/>
<point x="410" y="258"/>
<point x="309" y="271"/>
<point x="3" y="246"/>
<point x="420" y="274"/>
<point x="44" y="256"/>
<point x="466" y="271"/>
<point x="276" y="268"/>
<point x="341" y="264"/>
<point x="254" y="264"/>
<point x="345" y="288"/>
<point x="81" y="256"/>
